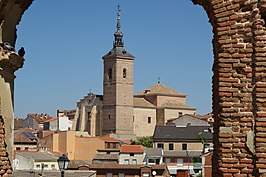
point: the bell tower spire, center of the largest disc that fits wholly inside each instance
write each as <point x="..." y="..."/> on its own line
<point x="117" y="111"/>
<point x="118" y="34"/>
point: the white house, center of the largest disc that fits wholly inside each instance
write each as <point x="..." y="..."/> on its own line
<point x="131" y="154"/>
<point x="35" y="160"/>
<point x="64" y="123"/>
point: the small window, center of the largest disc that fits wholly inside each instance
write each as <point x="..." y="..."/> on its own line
<point x="126" y="161"/>
<point x="145" y="174"/>
<point x="108" y="145"/>
<point x="109" y="174"/>
<point x="184" y="146"/>
<point x="17" y="148"/>
<point x="160" y="145"/>
<point x="124" y="73"/>
<point x="171" y="146"/>
<point x="151" y="161"/>
<point x="109" y="116"/>
<point x="149" y="120"/>
<point x="114" y="145"/>
<point x="38" y="166"/>
<point x="167" y="160"/>
<point x="131" y="154"/>
<point x="134" y="161"/>
<point x="45" y="165"/>
<point x="109" y="73"/>
<point x="53" y="166"/>
<point x="121" y="175"/>
<point x="180" y="114"/>
<point x="26" y="148"/>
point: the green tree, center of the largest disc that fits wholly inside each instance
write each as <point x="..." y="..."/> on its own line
<point x="144" y="141"/>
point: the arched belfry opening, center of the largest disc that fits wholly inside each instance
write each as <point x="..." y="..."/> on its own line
<point x="239" y="83"/>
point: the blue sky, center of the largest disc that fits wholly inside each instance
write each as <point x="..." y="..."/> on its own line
<point x="65" y="41"/>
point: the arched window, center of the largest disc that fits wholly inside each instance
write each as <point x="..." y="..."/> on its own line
<point x="124" y="73"/>
<point x="110" y="73"/>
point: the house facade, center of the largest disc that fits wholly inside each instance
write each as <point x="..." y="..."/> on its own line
<point x="35" y="160"/>
<point x="76" y="145"/>
<point x="131" y="154"/>
<point x="35" y="121"/>
<point x="24" y="139"/>
<point x="182" y="146"/>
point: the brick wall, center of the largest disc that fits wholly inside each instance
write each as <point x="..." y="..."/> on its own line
<point x="239" y="86"/>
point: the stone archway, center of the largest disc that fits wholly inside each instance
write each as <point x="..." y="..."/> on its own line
<point x="239" y="83"/>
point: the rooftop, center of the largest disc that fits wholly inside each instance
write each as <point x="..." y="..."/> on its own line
<point x="160" y="89"/>
<point x="132" y="149"/>
<point x="173" y="133"/>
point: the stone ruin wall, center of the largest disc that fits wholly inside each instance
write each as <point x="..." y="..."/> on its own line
<point x="239" y="83"/>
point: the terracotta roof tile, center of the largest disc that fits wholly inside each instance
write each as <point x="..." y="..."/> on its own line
<point x="110" y="140"/>
<point x="160" y="89"/>
<point x="141" y="102"/>
<point x="51" y="120"/>
<point x="132" y="149"/>
<point x="39" y="117"/>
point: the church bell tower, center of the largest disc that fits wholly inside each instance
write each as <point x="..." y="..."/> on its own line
<point x="118" y="85"/>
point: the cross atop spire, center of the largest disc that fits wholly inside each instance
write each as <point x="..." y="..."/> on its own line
<point x="118" y="34"/>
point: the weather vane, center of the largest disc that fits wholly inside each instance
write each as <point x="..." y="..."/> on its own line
<point x="159" y="80"/>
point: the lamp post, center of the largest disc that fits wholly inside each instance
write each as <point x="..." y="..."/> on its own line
<point x="63" y="163"/>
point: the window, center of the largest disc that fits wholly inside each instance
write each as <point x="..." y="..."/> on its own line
<point x="157" y="161"/>
<point x="109" y="174"/>
<point x="134" y="161"/>
<point x="167" y="160"/>
<point x="131" y="154"/>
<point x="126" y="161"/>
<point x="108" y="145"/>
<point x="45" y="165"/>
<point x="151" y="161"/>
<point x="121" y="175"/>
<point x="171" y="146"/>
<point x="179" y="162"/>
<point x="145" y="174"/>
<point x="109" y="73"/>
<point x="38" y="166"/>
<point x="184" y="146"/>
<point x="160" y="145"/>
<point x="114" y="145"/>
<point x="180" y="114"/>
<point x="17" y="148"/>
<point x="109" y="117"/>
<point x="149" y="120"/>
<point x="53" y="166"/>
<point x="26" y="148"/>
<point x="124" y="73"/>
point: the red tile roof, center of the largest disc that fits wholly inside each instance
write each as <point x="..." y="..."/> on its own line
<point x="39" y="117"/>
<point x="51" y="119"/>
<point x="109" y="140"/>
<point x="132" y="149"/>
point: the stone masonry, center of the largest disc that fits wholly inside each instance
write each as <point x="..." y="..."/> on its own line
<point x="239" y="82"/>
<point x="10" y="15"/>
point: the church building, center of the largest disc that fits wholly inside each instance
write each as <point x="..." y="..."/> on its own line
<point x="119" y="111"/>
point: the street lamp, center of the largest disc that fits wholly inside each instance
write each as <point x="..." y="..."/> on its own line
<point x="63" y="163"/>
